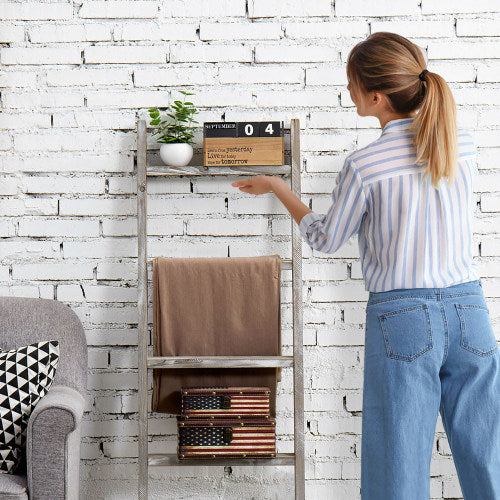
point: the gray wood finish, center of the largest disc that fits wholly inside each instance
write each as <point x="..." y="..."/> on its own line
<point x="296" y="459"/>
<point x="171" y="459"/>
<point x="219" y="361"/>
<point x="142" y="306"/>
<point x="155" y="171"/>
<point x="298" y="341"/>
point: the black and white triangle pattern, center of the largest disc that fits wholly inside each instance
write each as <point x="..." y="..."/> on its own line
<point x="26" y="375"/>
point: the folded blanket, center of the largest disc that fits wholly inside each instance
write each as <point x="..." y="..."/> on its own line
<point x="222" y="306"/>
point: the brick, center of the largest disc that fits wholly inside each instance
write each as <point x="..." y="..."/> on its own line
<point x="63" y="162"/>
<point x="114" y="315"/>
<point x="478" y="49"/>
<point x="125" y="55"/>
<point x="5" y="141"/>
<point x="296" y="98"/>
<point x="104" y="293"/>
<point x="117" y="271"/>
<point x="274" y="8"/>
<point x="7" y="228"/>
<point x="153" y="31"/>
<point x="59" y="184"/>
<point x="127" y="99"/>
<point x="324" y="271"/>
<point x="97" y="207"/>
<point x="328" y="142"/>
<point x="332" y="29"/>
<point x="201" y="8"/>
<point x="70" y="33"/>
<point x="108" y="404"/>
<point x="38" y="100"/>
<point x="210" y="53"/>
<point x="326" y="75"/>
<point x="85" y="77"/>
<point x="58" y="227"/>
<point x="100" y="248"/>
<point x="416" y="29"/>
<point x="471" y="27"/>
<point x="94" y="119"/>
<point x="218" y="227"/>
<point x="13" y="121"/>
<point x="489" y="72"/>
<point x="31" y="11"/>
<point x="16" y="78"/>
<point x="8" y="186"/>
<point x="28" y="206"/>
<point x="341" y="292"/>
<point x="295" y="53"/>
<point x="462" y="7"/>
<point x="454" y="71"/>
<point x="123" y="358"/>
<point x="469" y="96"/>
<point x="52" y="271"/>
<point x="11" y="33"/>
<point x="490" y="247"/>
<point x="37" y="56"/>
<point x="256" y="74"/>
<point x="114" y="336"/>
<point x="174" y="76"/>
<point x="383" y="8"/>
<point x="187" y="205"/>
<point x="118" y="9"/>
<point x="97" y="358"/>
<point x="74" y="141"/>
<point x="238" y="31"/>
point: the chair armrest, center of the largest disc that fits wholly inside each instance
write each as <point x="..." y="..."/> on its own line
<point x="53" y="445"/>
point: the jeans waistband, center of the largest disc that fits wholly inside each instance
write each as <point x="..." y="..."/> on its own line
<point x="469" y="287"/>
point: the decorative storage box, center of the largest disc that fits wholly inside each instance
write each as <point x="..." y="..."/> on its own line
<point x="202" y="438"/>
<point x="225" y="402"/>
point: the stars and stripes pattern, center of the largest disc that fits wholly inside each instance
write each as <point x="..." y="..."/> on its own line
<point x="241" y="405"/>
<point x="199" y="439"/>
<point x="410" y="235"/>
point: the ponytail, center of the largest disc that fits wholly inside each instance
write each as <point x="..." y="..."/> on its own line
<point x="435" y="128"/>
<point x="391" y="64"/>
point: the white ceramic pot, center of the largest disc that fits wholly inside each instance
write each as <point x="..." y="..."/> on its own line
<point x="176" y="154"/>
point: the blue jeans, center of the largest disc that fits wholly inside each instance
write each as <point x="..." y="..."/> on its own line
<point x="429" y="350"/>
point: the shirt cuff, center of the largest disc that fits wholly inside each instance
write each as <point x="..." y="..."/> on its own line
<point x="306" y="221"/>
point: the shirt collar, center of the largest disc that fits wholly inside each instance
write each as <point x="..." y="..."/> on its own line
<point x="398" y="125"/>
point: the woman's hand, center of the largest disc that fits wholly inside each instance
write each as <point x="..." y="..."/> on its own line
<point x="255" y="185"/>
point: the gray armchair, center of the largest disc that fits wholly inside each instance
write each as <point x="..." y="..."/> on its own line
<point x="51" y="469"/>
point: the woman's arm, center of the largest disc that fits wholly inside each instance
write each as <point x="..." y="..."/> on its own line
<point x="264" y="184"/>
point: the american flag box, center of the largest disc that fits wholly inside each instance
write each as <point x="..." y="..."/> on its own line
<point x="202" y="438"/>
<point x="225" y="402"/>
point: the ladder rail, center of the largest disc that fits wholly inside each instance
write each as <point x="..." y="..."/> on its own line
<point x="142" y="305"/>
<point x="297" y="304"/>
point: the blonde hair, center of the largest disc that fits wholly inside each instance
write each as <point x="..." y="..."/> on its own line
<point x="391" y="64"/>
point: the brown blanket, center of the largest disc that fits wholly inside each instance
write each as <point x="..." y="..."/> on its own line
<point x="222" y="306"/>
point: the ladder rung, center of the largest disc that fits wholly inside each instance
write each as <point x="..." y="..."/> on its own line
<point x="171" y="459"/>
<point x="219" y="361"/>
<point x="286" y="264"/>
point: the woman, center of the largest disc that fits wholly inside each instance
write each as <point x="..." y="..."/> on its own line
<point x="429" y="344"/>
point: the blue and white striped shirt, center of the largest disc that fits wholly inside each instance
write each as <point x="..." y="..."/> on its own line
<point x="410" y="235"/>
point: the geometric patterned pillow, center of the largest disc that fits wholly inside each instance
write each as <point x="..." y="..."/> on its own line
<point x="26" y="375"/>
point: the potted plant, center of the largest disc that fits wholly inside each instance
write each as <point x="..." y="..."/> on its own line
<point x="176" y="134"/>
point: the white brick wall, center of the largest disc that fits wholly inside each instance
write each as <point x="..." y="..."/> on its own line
<point x="77" y="75"/>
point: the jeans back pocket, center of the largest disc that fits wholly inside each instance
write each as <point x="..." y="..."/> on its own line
<point x="476" y="332"/>
<point x="407" y="332"/>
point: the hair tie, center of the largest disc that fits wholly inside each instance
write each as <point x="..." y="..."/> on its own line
<point x="422" y="75"/>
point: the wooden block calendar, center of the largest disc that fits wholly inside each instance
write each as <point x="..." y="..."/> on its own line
<point x="243" y="144"/>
